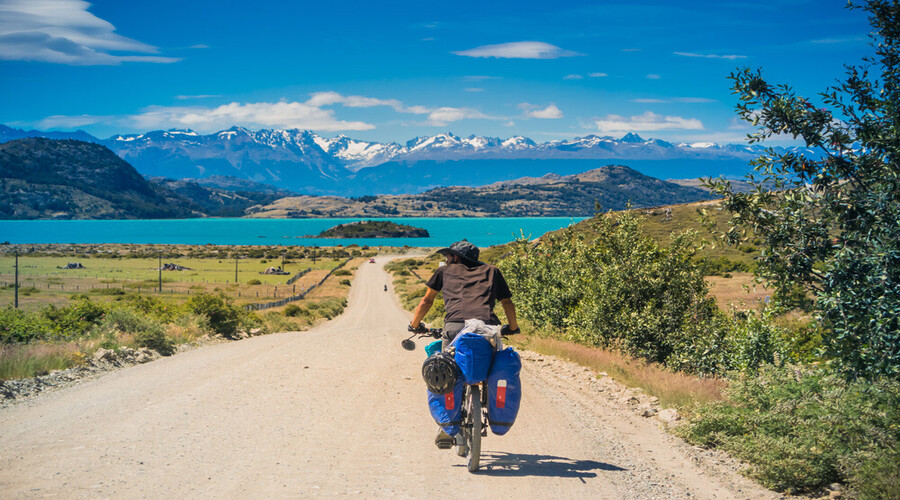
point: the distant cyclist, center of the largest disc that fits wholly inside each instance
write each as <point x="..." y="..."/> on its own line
<point x="470" y="289"/>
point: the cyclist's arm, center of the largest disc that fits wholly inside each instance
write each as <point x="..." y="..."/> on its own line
<point x="510" y="310"/>
<point x="423" y="307"/>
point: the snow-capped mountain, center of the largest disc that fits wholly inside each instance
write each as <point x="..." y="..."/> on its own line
<point x="306" y="162"/>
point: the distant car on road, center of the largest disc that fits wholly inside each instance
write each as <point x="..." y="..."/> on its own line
<point x="371" y="261"/>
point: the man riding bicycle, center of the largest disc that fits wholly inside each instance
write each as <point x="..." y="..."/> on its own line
<point x="470" y="289"/>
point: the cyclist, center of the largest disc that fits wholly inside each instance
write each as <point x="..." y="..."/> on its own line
<point x="470" y="289"/>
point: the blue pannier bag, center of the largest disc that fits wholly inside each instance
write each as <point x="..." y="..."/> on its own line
<point x="446" y="408"/>
<point x="504" y="390"/>
<point x="473" y="355"/>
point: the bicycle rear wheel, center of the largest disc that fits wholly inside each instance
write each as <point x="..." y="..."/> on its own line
<point x="474" y="407"/>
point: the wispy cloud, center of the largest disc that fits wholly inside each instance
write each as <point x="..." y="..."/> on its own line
<point x="534" y="111"/>
<point x="283" y="114"/>
<point x="518" y="50"/>
<point x="64" y="32"/>
<point x="68" y="122"/>
<point x="572" y="77"/>
<point x="654" y="76"/>
<point x="474" y="89"/>
<point x="646" y="122"/>
<point x="442" y="116"/>
<point x="314" y="114"/>
<point x="831" y="41"/>
<point x="694" y="100"/>
<point x="686" y="100"/>
<point x="597" y="75"/>
<point x="478" y="78"/>
<point x="730" y="57"/>
<point x="198" y="96"/>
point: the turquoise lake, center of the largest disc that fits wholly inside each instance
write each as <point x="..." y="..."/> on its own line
<point x="480" y="231"/>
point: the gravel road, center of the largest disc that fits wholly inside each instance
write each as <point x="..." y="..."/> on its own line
<point x="337" y="410"/>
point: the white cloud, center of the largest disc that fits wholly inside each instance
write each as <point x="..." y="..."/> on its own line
<point x="730" y="57"/>
<point x="284" y="115"/>
<point x="312" y="114"/>
<point x="694" y="100"/>
<point x="572" y="77"/>
<point x="653" y="76"/>
<point x="64" y="32"/>
<point x="198" y="96"/>
<point x="518" y="50"/>
<point x="646" y="122"/>
<point x="68" y="122"/>
<point x="597" y="75"/>
<point x="442" y="116"/>
<point x="532" y="111"/>
<point x="478" y="78"/>
<point x="474" y="89"/>
<point x="686" y="100"/>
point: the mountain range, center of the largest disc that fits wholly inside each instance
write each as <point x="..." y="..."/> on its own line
<point x="305" y="162"/>
<point x="69" y="179"/>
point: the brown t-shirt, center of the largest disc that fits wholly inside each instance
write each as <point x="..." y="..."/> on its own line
<point x="470" y="292"/>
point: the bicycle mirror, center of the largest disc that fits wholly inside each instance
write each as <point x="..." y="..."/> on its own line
<point x="409" y="345"/>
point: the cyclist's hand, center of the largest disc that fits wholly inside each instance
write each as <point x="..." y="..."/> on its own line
<point x="506" y="330"/>
<point x="419" y="329"/>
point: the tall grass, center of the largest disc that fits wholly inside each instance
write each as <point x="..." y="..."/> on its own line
<point x="674" y="389"/>
<point x="30" y="360"/>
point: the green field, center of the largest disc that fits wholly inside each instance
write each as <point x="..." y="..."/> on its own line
<point x="42" y="279"/>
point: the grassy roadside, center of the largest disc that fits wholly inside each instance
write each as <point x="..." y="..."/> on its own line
<point x="63" y="329"/>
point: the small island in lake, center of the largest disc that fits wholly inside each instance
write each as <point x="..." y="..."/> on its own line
<point x="374" y="229"/>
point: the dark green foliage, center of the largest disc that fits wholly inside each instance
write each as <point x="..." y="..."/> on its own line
<point x="803" y="430"/>
<point x="224" y="317"/>
<point x="374" y="229"/>
<point x="293" y="310"/>
<point x="832" y="225"/>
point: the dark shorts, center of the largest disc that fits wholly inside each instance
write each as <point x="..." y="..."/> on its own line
<point x="451" y="330"/>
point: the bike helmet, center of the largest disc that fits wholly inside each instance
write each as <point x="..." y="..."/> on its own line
<point x="439" y="372"/>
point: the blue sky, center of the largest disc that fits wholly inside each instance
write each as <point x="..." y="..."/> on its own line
<point x="388" y="71"/>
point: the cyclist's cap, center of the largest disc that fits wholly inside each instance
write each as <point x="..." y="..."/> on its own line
<point x="466" y="251"/>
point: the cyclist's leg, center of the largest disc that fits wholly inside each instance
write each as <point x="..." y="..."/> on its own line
<point x="451" y="330"/>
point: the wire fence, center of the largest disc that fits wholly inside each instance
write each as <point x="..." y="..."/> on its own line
<point x="299" y="275"/>
<point x="278" y="303"/>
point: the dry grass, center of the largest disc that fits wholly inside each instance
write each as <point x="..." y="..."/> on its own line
<point x="21" y="361"/>
<point x="673" y="389"/>
<point x="740" y="291"/>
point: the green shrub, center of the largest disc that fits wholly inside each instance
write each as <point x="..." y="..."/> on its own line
<point x="254" y="282"/>
<point x="622" y="290"/>
<point x="224" y="317"/>
<point x="293" y="310"/>
<point x="343" y="272"/>
<point x="18" y="326"/>
<point x="345" y="282"/>
<point x="75" y="319"/>
<point x="802" y="430"/>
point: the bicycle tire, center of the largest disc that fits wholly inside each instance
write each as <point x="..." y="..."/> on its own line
<point x="474" y="405"/>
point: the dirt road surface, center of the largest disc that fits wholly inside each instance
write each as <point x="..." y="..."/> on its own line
<point x="334" y="411"/>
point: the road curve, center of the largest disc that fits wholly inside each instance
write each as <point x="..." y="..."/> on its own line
<point x="336" y="410"/>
